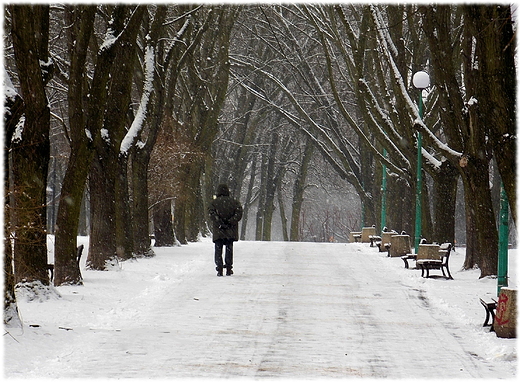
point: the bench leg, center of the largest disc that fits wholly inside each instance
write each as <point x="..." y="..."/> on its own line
<point x="405" y="263"/>
<point x="448" y="271"/>
<point x="487" y="318"/>
<point x="492" y="329"/>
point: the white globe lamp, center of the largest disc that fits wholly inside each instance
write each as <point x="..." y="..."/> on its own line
<point x="421" y="80"/>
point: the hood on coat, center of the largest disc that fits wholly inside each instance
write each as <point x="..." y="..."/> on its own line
<point x="222" y="190"/>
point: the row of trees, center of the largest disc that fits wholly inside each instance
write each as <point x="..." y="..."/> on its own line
<point x="341" y="77"/>
<point x="114" y="76"/>
<point x="149" y="106"/>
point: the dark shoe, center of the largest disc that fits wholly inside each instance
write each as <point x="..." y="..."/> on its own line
<point x="229" y="272"/>
<point x="219" y="271"/>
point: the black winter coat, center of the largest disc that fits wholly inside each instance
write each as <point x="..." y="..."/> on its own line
<point x="225" y="213"/>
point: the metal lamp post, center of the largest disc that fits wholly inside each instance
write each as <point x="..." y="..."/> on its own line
<point x="421" y="80"/>
<point x="503" y="236"/>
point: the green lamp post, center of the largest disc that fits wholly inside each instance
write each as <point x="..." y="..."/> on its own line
<point x="421" y="80"/>
<point x="503" y="239"/>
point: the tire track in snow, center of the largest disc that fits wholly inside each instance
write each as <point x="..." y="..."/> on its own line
<point x="292" y="310"/>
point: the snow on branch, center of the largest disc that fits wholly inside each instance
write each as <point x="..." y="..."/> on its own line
<point x="110" y="36"/>
<point x="434" y="162"/>
<point x="418" y="124"/>
<point x="9" y="90"/>
<point x="138" y="123"/>
<point x="109" y="40"/>
<point x="348" y="117"/>
<point x="386" y="120"/>
<point x="443" y="147"/>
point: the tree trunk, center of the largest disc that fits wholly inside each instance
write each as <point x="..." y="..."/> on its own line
<point x="31" y="153"/>
<point x="472" y="254"/>
<point x="188" y="211"/>
<point x="66" y="270"/>
<point x="283" y="217"/>
<point x="12" y="113"/>
<point x="248" y="201"/>
<point x="400" y="205"/>
<point x="109" y="198"/>
<point x="85" y="128"/>
<point x="485" y="219"/>
<point x="140" y="156"/>
<point x="163" y="224"/>
<point x="468" y="125"/>
<point x="270" y="188"/>
<point x="124" y="213"/>
<point x="299" y="189"/>
<point x="496" y="45"/>
<point x="102" y="246"/>
<point x="140" y="216"/>
<point x="444" y="202"/>
<point x="260" y="212"/>
<point x="367" y="181"/>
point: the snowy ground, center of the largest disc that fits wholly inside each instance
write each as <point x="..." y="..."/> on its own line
<point x="292" y="310"/>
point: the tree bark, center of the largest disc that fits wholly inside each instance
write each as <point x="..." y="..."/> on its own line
<point x="31" y="153"/>
<point x="110" y="233"/>
<point x="140" y="156"/>
<point x="66" y="270"/>
<point x="444" y="201"/>
<point x="249" y="196"/>
<point x="140" y="215"/>
<point x="496" y="44"/>
<point x="14" y="108"/>
<point x="102" y="249"/>
<point x="466" y="125"/>
<point x="163" y="225"/>
<point x="299" y="189"/>
<point x="84" y="129"/>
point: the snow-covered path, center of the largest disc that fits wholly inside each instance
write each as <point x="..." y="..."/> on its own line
<point x="291" y="310"/>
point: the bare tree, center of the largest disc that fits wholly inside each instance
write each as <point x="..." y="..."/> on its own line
<point x="202" y="90"/>
<point x="85" y="125"/>
<point x="467" y="126"/>
<point x="30" y="147"/>
<point x="109" y="235"/>
<point x="13" y="111"/>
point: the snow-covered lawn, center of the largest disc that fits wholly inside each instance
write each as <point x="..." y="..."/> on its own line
<point x="292" y="310"/>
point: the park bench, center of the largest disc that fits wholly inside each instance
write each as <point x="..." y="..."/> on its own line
<point x="384" y="242"/>
<point x="405" y="258"/>
<point x="375" y="241"/>
<point x="354" y="237"/>
<point x="490" y="312"/>
<point x="412" y="256"/>
<point x="425" y="265"/>
<point x="398" y="245"/>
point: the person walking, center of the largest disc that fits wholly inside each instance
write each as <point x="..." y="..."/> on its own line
<point x="224" y="212"/>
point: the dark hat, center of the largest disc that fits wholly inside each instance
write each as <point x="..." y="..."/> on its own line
<point x="222" y="190"/>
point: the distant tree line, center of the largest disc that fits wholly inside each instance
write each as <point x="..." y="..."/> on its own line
<point x="129" y="115"/>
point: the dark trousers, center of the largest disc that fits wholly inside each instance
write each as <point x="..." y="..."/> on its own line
<point x="219" y="244"/>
